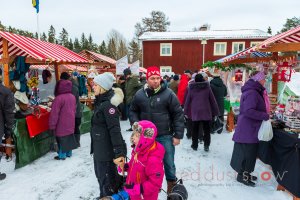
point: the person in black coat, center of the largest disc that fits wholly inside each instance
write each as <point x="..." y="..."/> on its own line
<point x="220" y="92"/>
<point x="107" y="144"/>
<point x="7" y="107"/>
<point x="158" y="104"/>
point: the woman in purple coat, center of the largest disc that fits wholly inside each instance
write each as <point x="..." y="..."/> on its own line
<point x="62" y="119"/>
<point x="252" y="113"/>
<point x="202" y="107"/>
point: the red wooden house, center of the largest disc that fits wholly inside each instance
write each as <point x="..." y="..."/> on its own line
<point x="178" y="51"/>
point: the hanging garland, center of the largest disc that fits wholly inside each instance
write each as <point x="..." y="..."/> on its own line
<point x="220" y="66"/>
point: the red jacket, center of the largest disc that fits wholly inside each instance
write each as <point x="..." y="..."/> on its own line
<point x="183" y="84"/>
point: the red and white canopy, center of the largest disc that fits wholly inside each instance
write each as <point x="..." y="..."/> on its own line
<point x="64" y="67"/>
<point x="97" y="57"/>
<point x="44" y="51"/>
<point x="290" y="36"/>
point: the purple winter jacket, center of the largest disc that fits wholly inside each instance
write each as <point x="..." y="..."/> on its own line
<point x="200" y="104"/>
<point x="252" y="113"/>
<point x="62" y="115"/>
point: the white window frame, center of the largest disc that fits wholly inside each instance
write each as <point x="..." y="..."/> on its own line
<point x="161" y="49"/>
<point x="238" y="43"/>
<point x="165" y="69"/>
<point x="220" y="53"/>
<point x="253" y="43"/>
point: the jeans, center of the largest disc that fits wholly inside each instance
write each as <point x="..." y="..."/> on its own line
<point x="169" y="165"/>
<point x="106" y="173"/>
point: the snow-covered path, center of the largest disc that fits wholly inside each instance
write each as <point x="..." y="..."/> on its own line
<point x="206" y="175"/>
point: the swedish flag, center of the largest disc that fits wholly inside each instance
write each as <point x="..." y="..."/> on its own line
<point x="36" y="4"/>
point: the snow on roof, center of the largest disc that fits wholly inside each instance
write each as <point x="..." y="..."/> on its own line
<point x="210" y="34"/>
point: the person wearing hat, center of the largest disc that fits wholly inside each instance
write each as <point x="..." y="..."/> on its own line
<point x="7" y="107"/>
<point x="132" y="85"/>
<point x="107" y="144"/>
<point x="62" y="119"/>
<point x="220" y="92"/>
<point x="78" y="114"/>
<point x="252" y="113"/>
<point x="158" y="103"/>
<point x="174" y="84"/>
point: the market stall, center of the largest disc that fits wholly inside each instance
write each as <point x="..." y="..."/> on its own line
<point x="282" y="152"/>
<point x="17" y="53"/>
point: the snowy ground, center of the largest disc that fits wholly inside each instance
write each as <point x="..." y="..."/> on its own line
<point x="206" y="175"/>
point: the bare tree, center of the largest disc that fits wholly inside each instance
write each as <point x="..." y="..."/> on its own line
<point x="117" y="44"/>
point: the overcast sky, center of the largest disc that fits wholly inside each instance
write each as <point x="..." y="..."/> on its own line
<point x="98" y="17"/>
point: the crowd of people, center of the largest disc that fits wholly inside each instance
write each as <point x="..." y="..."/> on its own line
<point x="159" y="109"/>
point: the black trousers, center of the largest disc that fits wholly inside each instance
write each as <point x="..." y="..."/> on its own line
<point x="77" y="130"/>
<point x="107" y="174"/>
<point x="203" y="127"/>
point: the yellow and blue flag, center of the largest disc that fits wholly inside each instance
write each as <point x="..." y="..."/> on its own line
<point x="36" y="5"/>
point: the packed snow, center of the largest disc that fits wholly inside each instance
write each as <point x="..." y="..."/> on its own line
<point x="206" y="175"/>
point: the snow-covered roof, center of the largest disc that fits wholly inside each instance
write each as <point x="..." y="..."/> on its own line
<point x="210" y="34"/>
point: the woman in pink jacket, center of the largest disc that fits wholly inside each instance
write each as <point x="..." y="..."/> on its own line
<point x="145" y="169"/>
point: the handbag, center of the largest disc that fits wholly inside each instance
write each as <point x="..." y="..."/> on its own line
<point x="217" y="125"/>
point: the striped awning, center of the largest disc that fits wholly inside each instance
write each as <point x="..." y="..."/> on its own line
<point x="243" y="54"/>
<point x="96" y="57"/>
<point x="44" y="51"/>
<point x="64" y="67"/>
<point x="290" y="36"/>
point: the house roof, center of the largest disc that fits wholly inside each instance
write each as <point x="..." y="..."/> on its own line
<point x="210" y="34"/>
<point x="23" y="46"/>
<point x="97" y="57"/>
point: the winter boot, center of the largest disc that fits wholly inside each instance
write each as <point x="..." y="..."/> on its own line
<point x="194" y="147"/>
<point x="252" y="178"/>
<point x="2" y="176"/>
<point x="245" y="179"/>
<point x="170" y="184"/>
<point x="206" y="148"/>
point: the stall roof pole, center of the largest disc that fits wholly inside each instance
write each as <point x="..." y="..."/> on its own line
<point x="6" y="62"/>
<point x="56" y="72"/>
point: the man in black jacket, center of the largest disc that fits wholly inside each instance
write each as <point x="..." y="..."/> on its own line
<point x="158" y="104"/>
<point x="7" y="107"/>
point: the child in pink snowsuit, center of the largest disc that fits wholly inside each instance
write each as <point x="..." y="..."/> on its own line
<point x="145" y="168"/>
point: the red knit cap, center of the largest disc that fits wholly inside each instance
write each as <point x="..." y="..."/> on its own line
<point x="153" y="70"/>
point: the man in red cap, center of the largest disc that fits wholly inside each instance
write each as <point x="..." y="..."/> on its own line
<point x="158" y="104"/>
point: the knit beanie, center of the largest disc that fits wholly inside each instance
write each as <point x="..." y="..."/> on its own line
<point x="176" y="77"/>
<point x="126" y="72"/>
<point x="153" y="70"/>
<point x="65" y="76"/>
<point x="105" y="80"/>
<point x="199" y="78"/>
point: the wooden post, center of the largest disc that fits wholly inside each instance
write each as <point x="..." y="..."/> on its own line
<point x="56" y="72"/>
<point x="6" y="62"/>
<point x="275" y="77"/>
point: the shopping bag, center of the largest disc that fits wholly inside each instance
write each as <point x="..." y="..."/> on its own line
<point x="217" y="125"/>
<point x="265" y="132"/>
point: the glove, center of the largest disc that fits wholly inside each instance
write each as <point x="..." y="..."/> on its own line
<point x="120" y="162"/>
<point x="133" y="190"/>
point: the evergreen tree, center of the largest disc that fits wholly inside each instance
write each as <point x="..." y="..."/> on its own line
<point x="64" y="38"/>
<point x="2" y="27"/>
<point x="291" y="23"/>
<point x="157" y="22"/>
<point x="135" y="52"/>
<point x="84" y="42"/>
<point x="70" y="45"/>
<point x="112" y="49"/>
<point x="36" y="35"/>
<point x="51" y="35"/>
<point x="269" y="30"/>
<point x="102" y="48"/>
<point x="77" y="48"/>
<point x="44" y="37"/>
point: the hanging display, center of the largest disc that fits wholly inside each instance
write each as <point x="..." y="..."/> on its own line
<point x="284" y="72"/>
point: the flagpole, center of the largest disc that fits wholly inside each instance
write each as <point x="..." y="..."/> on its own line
<point x="38" y="27"/>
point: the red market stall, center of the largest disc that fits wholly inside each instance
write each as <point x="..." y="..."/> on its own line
<point x="32" y="140"/>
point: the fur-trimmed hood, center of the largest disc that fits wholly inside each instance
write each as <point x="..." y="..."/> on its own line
<point x="118" y="97"/>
